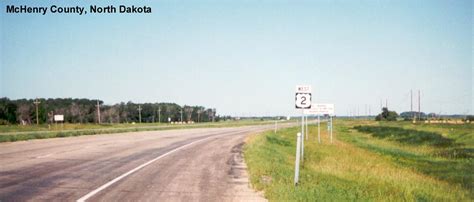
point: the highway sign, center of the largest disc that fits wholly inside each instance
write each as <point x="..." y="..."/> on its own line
<point x="303" y="100"/>
<point x="325" y="108"/>
<point x="320" y="109"/>
<point x="58" y="117"/>
<point x="312" y="111"/>
<point x="303" y="97"/>
<point x="303" y="89"/>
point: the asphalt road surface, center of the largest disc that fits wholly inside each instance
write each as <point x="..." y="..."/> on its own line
<point x="176" y="165"/>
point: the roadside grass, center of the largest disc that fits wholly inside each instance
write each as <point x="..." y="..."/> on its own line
<point x="19" y="133"/>
<point x="358" y="166"/>
<point x="447" y="154"/>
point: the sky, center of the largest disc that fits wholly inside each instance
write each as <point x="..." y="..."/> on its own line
<point x="245" y="58"/>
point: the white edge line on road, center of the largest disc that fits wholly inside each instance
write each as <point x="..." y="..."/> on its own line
<point x="92" y="193"/>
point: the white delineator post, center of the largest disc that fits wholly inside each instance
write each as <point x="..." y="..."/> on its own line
<point x="297" y="160"/>
<point x="275" y="126"/>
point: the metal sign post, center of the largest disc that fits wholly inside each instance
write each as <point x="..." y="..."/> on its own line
<point x="306" y="123"/>
<point x="330" y="117"/>
<point x="322" y="109"/>
<point x="302" y="137"/>
<point x="319" y="130"/>
<point x="328" y="124"/>
<point x="303" y="101"/>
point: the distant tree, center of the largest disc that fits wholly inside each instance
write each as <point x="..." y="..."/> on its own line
<point x="7" y="111"/>
<point x="42" y="114"/>
<point x="111" y="114"/>
<point x="386" y="115"/>
<point x="122" y="113"/>
<point x="200" y="110"/>
<point x="213" y="114"/>
<point x="189" y="112"/>
<point x="50" y="117"/>
<point x="23" y="113"/>
<point x="75" y="112"/>
<point x="408" y="116"/>
<point x="148" y="112"/>
<point x="470" y="118"/>
<point x="431" y="115"/>
<point x="85" y="111"/>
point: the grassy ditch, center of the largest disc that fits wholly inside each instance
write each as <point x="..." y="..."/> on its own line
<point x="408" y="136"/>
<point x="447" y="154"/>
<point x="362" y="166"/>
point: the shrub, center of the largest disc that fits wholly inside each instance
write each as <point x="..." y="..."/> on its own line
<point x="386" y="115"/>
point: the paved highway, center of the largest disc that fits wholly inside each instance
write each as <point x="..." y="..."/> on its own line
<point x="177" y="165"/>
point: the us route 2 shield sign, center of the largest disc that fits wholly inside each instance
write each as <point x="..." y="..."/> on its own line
<point x="303" y="100"/>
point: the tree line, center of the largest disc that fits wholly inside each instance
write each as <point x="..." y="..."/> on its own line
<point x="23" y="111"/>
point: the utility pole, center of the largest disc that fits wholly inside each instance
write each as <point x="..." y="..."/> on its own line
<point x="386" y="103"/>
<point x="366" y="115"/>
<point x="358" y="114"/>
<point x="37" y="102"/>
<point x="411" y="106"/>
<point x="419" y="107"/>
<point x="159" y="114"/>
<point x="98" y="112"/>
<point x="181" y="120"/>
<point x="140" y="114"/>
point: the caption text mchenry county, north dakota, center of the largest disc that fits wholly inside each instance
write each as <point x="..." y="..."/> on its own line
<point x="79" y="10"/>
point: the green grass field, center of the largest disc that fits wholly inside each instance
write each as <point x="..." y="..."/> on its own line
<point x="368" y="161"/>
<point x="11" y="133"/>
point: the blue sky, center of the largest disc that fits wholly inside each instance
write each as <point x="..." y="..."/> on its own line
<point x="245" y="57"/>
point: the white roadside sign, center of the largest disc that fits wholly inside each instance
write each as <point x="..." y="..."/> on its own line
<point x="303" y="89"/>
<point x="303" y="97"/>
<point x="320" y="109"/>
<point x="58" y="117"/>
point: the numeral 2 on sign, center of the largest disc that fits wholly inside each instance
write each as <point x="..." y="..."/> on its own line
<point x="303" y="100"/>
